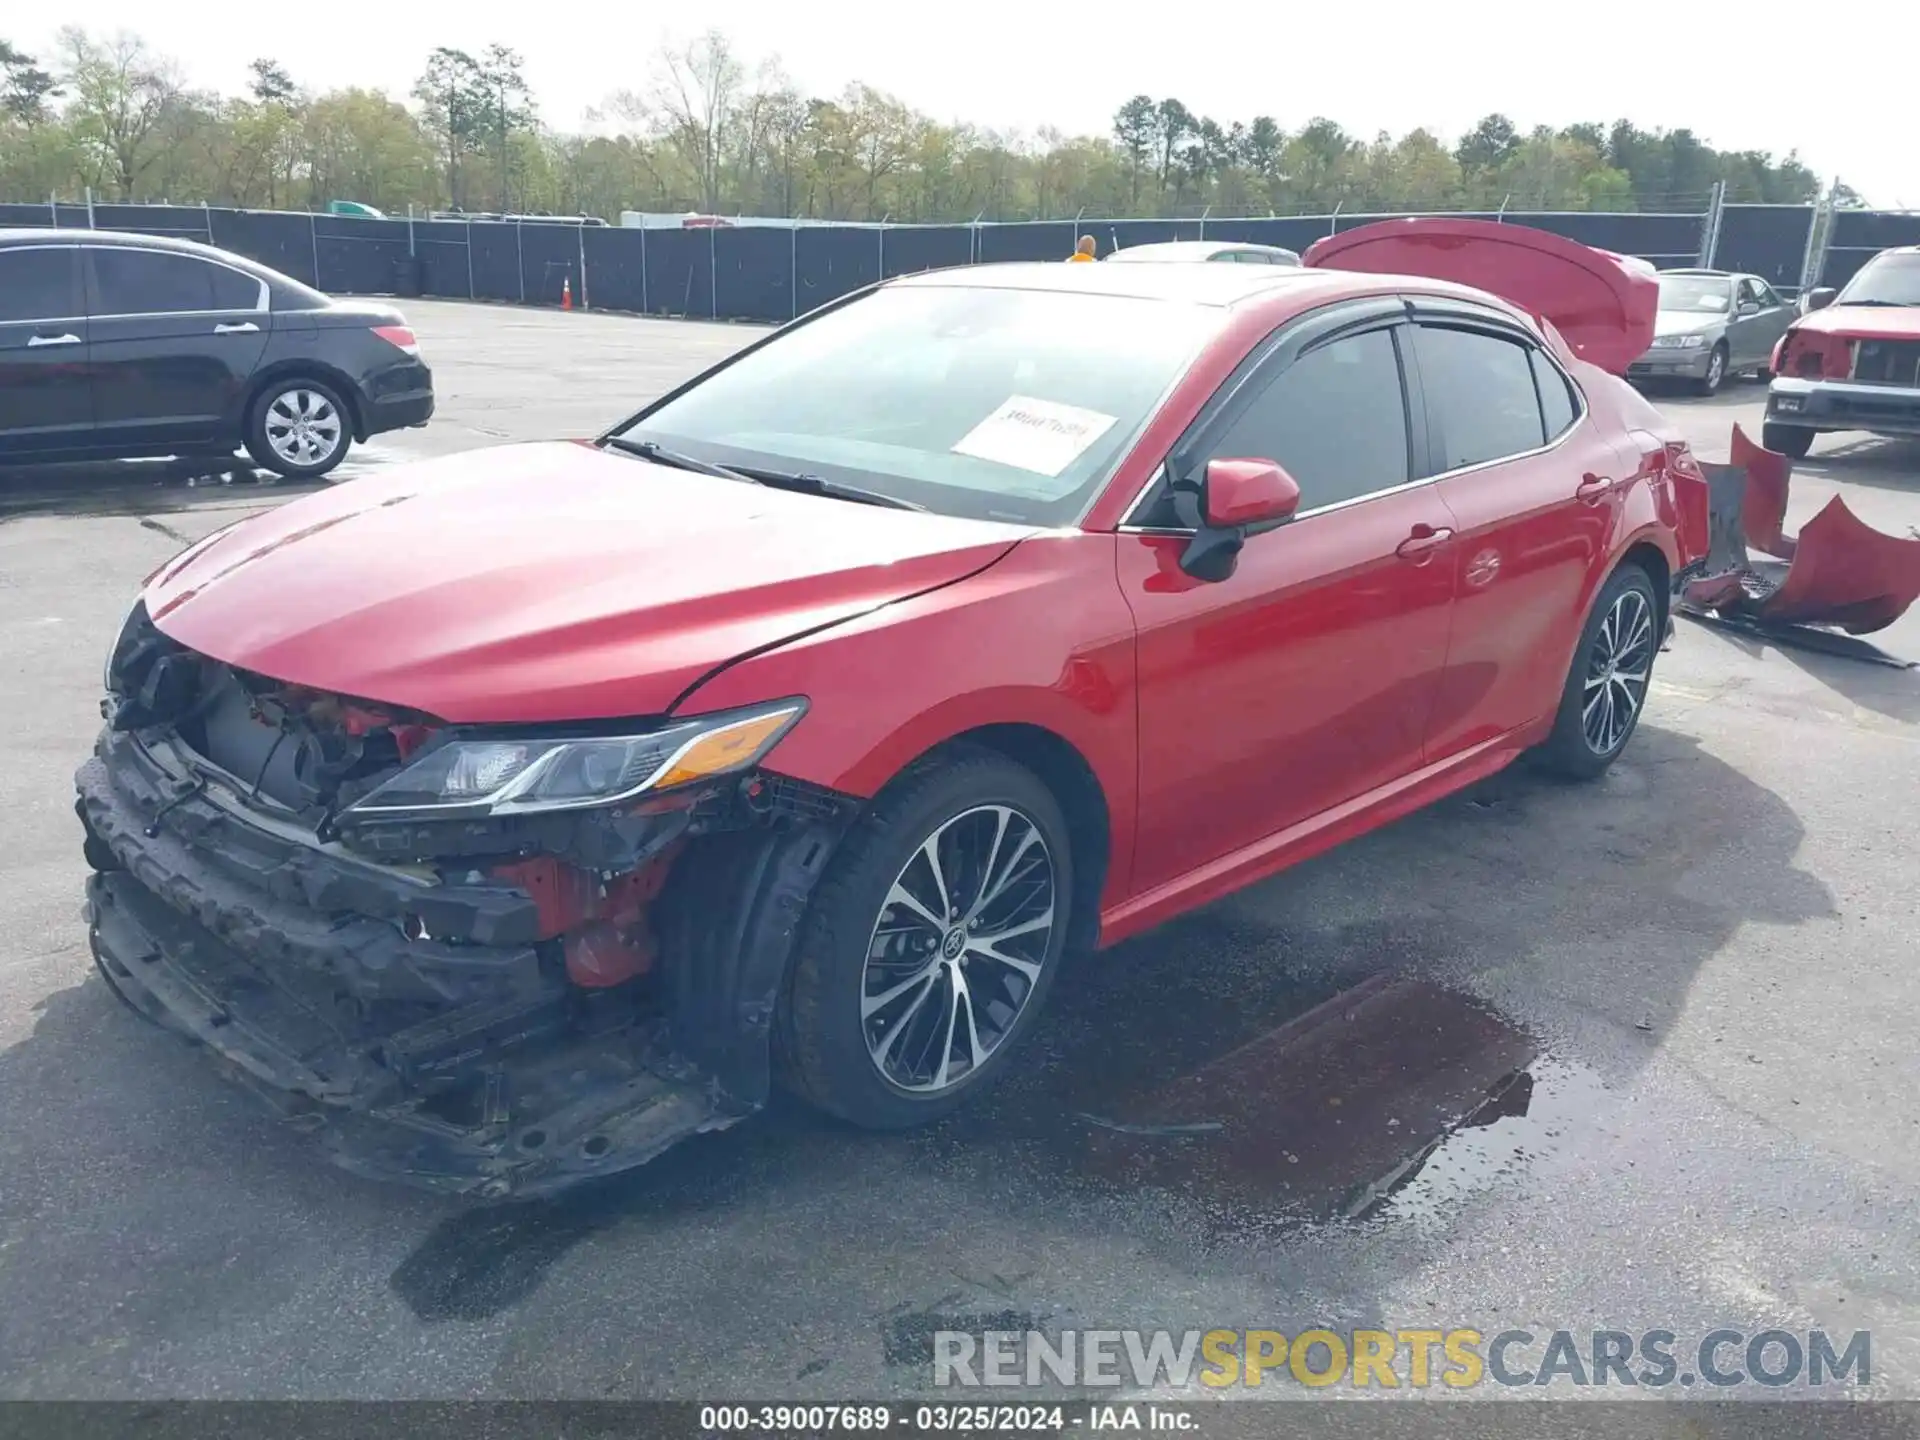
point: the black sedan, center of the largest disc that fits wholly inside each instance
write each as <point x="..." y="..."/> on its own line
<point x="119" y="346"/>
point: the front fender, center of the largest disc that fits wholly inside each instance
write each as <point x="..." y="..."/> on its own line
<point x="1043" y="639"/>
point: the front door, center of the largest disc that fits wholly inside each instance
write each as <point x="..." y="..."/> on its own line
<point x="1536" y="492"/>
<point x="1304" y="678"/>
<point x="46" y="404"/>
<point x="175" y="340"/>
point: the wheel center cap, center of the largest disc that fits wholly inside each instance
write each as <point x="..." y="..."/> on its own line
<point x="954" y="944"/>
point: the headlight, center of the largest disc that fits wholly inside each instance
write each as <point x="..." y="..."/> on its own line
<point x="475" y="776"/>
<point x="134" y="621"/>
<point x="1679" y="342"/>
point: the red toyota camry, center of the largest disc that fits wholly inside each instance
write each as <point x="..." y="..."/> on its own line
<point x="511" y="816"/>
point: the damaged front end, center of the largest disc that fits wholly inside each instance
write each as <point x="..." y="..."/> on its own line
<point x="482" y="962"/>
<point x="1837" y="574"/>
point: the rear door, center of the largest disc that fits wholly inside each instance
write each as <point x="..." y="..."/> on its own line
<point x="46" y="402"/>
<point x="175" y="338"/>
<point x="1535" y="490"/>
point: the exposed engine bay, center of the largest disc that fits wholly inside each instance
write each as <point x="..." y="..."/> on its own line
<point x="496" y="1004"/>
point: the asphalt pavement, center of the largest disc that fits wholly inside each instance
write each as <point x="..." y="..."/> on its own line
<point x="1638" y="1055"/>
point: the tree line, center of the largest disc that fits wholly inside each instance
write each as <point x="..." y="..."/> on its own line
<point x="712" y="130"/>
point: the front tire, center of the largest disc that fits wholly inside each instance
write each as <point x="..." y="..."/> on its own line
<point x="299" y="428"/>
<point x="1792" y="441"/>
<point x="931" y="944"/>
<point x="1716" y="376"/>
<point x="1606" y="687"/>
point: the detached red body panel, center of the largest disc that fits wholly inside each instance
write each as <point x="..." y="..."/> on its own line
<point x="1838" y="570"/>
<point x="1604" y="304"/>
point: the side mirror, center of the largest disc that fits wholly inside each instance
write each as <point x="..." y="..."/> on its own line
<point x="1237" y="498"/>
<point x="1248" y="492"/>
<point x="1820" y="298"/>
<point x="1749" y="307"/>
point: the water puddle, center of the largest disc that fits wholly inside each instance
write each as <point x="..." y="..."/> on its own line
<point x="1394" y="1100"/>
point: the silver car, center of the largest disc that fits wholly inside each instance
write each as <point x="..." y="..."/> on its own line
<point x="1712" y="324"/>
<point x="1231" y="251"/>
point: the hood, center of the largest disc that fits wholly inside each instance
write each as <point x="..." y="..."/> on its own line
<point x="1688" y="322"/>
<point x="544" y="582"/>
<point x="1867" y="322"/>
<point x="1602" y="304"/>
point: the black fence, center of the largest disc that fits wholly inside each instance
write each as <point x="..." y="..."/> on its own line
<point x="772" y="273"/>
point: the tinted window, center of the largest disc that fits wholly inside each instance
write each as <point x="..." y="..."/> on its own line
<point x="233" y="290"/>
<point x="1335" y="418"/>
<point x="153" y="282"/>
<point x="1481" y="404"/>
<point x="39" y="285"/>
<point x="1556" y="395"/>
<point x="1765" y="294"/>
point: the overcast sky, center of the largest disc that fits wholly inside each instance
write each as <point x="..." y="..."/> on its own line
<point x="1731" y="73"/>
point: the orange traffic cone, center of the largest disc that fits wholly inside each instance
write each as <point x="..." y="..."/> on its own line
<point x="566" y="292"/>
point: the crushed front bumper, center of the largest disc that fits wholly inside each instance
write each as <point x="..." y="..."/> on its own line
<point x="550" y="1107"/>
<point x="464" y="1062"/>
<point x="1842" y="405"/>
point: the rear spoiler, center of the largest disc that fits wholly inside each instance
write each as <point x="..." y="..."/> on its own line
<point x="1602" y="304"/>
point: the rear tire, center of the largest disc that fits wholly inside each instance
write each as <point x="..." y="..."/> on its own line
<point x="299" y="428"/>
<point x="1793" y="441"/>
<point x="1612" y="668"/>
<point x="873" y="1027"/>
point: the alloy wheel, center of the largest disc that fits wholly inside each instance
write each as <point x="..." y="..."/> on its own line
<point x="957" y="948"/>
<point x="1716" y="370"/>
<point x="303" y="426"/>
<point x="1618" y="667"/>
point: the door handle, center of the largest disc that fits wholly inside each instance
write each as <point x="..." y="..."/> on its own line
<point x="245" y="327"/>
<point x="1424" y="540"/>
<point x="1592" y="488"/>
<point x="36" y="341"/>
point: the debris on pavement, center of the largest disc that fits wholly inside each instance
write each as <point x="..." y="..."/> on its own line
<point x="1837" y="575"/>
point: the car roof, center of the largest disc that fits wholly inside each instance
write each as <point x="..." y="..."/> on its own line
<point x="1211" y="285"/>
<point x="125" y="239"/>
<point x="19" y="236"/>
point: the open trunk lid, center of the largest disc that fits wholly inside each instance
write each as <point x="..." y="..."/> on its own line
<point x="1604" y="305"/>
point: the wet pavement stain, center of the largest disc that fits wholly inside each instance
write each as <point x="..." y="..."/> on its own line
<point x="1391" y="1099"/>
<point x="908" y="1339"/>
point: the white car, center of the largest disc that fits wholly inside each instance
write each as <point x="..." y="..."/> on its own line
<point x="1188" y="251"/>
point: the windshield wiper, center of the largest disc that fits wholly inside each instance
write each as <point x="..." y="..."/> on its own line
<point x="773" y="479"/>
<point x="1893" y="304"/>
<point x="660" y="455"/>
<point x="819" y="485"/>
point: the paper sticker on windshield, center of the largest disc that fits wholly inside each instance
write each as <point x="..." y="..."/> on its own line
<point x="1039" y="436"/>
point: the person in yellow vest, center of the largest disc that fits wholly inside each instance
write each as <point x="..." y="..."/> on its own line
<point x="1082" y="250"/>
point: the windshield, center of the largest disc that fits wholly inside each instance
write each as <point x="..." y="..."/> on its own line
<point x="1696" y="294"/>
<point x="983" y="403"/>
<point x="1884" y="280"/>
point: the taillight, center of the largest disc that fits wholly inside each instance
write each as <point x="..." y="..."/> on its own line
<point x="1779" y="349"/>
<point x="401" y="337"/>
